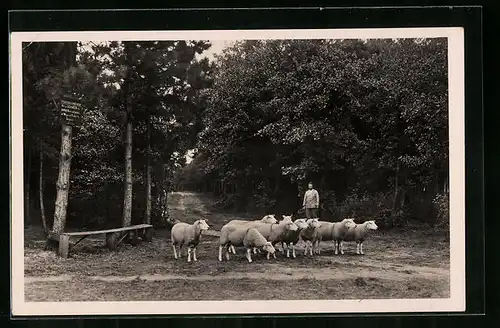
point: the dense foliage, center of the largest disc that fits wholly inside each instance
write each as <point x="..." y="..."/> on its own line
<point x="365" y="121"/>
<point x="160" y="81"/>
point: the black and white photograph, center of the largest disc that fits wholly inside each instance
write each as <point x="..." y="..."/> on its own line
<point x="244" y="171"/>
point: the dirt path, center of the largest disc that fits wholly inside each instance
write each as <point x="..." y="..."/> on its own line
<point x="186" y="202"/>
<point x="279" y="272"/>
<point x="181" y="203"/>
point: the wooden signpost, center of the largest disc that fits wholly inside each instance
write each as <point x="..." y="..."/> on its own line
<point x="71" y="110"/>
<point x="71" y="113"/>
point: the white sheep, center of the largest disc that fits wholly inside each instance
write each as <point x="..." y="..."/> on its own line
<point x="243" y="236"/>
<point x="358" y="234"/>
<point x="309" y="234"/>
<point x="275" y="232"/>
<point x="286" y="218"/>
<point x="291" y="238"/>
<point x="272" y="232"/>
<point x="189" y="235"/>
<point x="332" y="231"/>
<point x="269" y="218"/>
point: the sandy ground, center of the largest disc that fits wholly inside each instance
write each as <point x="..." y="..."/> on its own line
<point x="396" y="264"/>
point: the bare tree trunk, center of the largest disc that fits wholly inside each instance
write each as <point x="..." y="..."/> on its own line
<point x="396" y="188"/>
<point x="40" y="189"/>
<point x="148" y="174"/>
<point x="63" y="180"/>
<point x="127" y="199"/>
<point x="27" y="204"/>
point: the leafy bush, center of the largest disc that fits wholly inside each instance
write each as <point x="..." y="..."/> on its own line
<point x="442" y="206"/>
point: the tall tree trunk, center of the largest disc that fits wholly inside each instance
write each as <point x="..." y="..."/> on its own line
<point x="396" y="189"/>
<point x="64" y="159"/>
<point x="164" y="197"/>
<point x="63" y="180"/>
<point x="40" y="189"/>
<point x="127" y="199"/>
<point x="27" y="179"/>
<point x="148" y="174"/>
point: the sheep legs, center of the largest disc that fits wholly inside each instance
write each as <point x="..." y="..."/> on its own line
<point x="317" y="247"/>
<point x="220" y="253"/>
<point x="339" y="247"/>
<point x="232" y="249"/>
<point x="268" y="255"/>
<point x="288" y="250"/>
<point x="309" y="246"/>
<point x="194" y="254"/>
<point x="359" y="248"/>
<point x="248" y="256"/>
<point x="175" y="252"/>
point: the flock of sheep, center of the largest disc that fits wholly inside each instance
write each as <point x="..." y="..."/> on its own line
<point x="266" y="233"/>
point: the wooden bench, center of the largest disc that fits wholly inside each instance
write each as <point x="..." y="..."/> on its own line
<point x="113" y="238"/>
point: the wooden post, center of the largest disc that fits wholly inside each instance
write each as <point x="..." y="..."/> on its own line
<point x="111" y="239"/>
<point x="148" y="234"/>
<point x="133" y="237"/>
<point x="63" y="246"/>
<point x="63" y="180"/>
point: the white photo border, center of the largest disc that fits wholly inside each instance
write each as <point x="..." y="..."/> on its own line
<point x="456" y="88"/>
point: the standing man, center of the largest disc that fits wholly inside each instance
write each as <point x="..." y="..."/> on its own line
<point x="311" y="202"/>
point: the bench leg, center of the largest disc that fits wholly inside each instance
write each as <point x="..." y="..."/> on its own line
<point x="64" y="246"/>
<point x="148" y="234"/>
<point x="111" y="240"/>
<point x="133" y="237"/>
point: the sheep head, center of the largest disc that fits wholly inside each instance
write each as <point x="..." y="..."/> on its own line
<point x="202" y="224"/>
<point x="371" y="225"/>
<point x="268" y="247"/>
<point x="289" y="225"/>
<point x="301" y="223"/>
<point x="313" y="223"/>
<point x="286" y="218"/>
<point x="269" y="219"/>
<point x="349" y="223"/>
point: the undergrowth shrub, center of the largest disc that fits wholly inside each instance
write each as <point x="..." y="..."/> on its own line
<point x="442" y="207"/>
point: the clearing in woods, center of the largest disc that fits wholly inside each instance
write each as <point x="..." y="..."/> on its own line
<point x="397" y="264"/>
